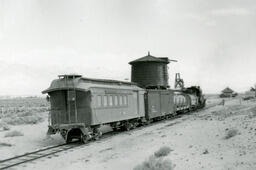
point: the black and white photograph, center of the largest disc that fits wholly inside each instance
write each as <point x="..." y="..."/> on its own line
<point x="128" y="84"/>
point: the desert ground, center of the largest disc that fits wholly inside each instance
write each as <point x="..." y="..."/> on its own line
<point x="215" y="138"/>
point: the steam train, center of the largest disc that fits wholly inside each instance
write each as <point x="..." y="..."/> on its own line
<point x="80" y="106"/>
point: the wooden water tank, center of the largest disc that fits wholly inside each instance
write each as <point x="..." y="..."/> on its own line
<point x="150" y="72"/>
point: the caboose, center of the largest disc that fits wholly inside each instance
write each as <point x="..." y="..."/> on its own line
<point x="80" y="105"/>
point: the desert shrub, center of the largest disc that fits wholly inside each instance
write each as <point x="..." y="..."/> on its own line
<point x="231" y="133"/>
<point x="13" y="133"/>
<point x="4" y="126"/>
<point x="5" y="144"/>
<point x="252" y="112"/>
<point x="205" y="151"/>
<point x="155" y="163"/>
<point x="24" y="102"/>
<point x="28" y="110"/>
<point x="23" y="120"/>
<point x="163" y="151"/>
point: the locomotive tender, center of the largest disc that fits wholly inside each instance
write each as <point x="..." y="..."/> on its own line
<point x="79" y="105"/>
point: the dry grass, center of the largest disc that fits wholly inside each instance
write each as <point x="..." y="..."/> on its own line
<point x="4" y="126"/>
<point x="163" y="151"/>
<point x="252" y="113"/>
<point x="223" y="112"/>
<point x="29" y="110"/>
<point x="154" y="163"/>
<point x="13" y="133"/>
<point x="33" y="119"/>
<point x="231" y="133"/>
<point x="27" y="102"/>
<point x="3" y="144"/>
<point x="157" y="161"/>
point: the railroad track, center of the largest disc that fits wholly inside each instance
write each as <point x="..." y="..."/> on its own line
<point x="31" y="156"/>
<point x="49" y="151"/>
<point x="46" y="152"/>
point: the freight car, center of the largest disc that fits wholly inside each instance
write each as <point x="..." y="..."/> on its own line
<point x="182" y="102"/>
<point x="159" y="104"/>
<point x="188" y="99"/>
<point x="79" y="105"/>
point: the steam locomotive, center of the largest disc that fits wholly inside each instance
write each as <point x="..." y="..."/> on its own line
<point x="80" y="106"/>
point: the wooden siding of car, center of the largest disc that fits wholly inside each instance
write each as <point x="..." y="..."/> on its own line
<point x="58" y="111"/>
<point x="106" y="114"/>
<point x="84" y="110"/>
<point x="158" y="103"/>
<point x="64" y="111"/>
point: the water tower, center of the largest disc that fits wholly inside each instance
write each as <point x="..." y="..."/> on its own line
<point x="150" y="72"/>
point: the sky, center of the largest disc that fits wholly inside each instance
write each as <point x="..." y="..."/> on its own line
<point x="214" y="41"/>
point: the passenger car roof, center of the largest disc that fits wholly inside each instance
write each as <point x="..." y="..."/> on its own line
<point x="85" y="84"/>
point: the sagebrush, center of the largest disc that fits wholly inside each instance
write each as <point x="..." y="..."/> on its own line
<point x="231" y="133"/>
<point x="163" y="151"/>
<point x="155" y="163"/>
<point x="13" y="133"/>
<point x="3" y="144"/>
<point x="29" y="110"/>
<point x="4" y="126"/>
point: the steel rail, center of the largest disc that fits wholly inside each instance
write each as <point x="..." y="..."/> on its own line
<point x="31" y="156"/>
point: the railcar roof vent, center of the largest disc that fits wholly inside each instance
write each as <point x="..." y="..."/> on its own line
<point x="69" y="76"/>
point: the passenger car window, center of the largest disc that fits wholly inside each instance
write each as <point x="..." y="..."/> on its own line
<point x="110" y="100"/>
<point x="99" y="101"/>
<point x="125" y="100"/>
<point x="120" y="100"/>
<point x="115" y="100"/>
<point x="105" y="101"/>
